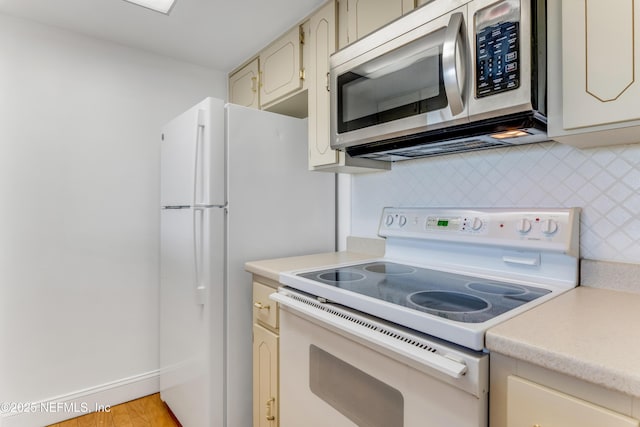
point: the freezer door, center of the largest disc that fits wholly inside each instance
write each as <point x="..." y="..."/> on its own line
<point x="192" y="314"/>
<point x="192" y="154"/>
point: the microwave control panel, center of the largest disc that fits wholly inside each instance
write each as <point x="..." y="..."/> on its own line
<point x="497" y="54"/>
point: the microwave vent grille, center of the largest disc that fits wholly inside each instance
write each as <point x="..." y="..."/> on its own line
<point x="435" y="149"/>
<point x="480" y="135"/>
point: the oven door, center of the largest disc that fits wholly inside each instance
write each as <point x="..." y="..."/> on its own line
<point x="331" y="376"/>
<point x="413" y="82"/>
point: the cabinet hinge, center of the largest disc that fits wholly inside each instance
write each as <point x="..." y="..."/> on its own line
<point x="301" y="35"/>
<point x="301" y="73"/>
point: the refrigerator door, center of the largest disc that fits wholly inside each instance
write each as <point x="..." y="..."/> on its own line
<point x="277" y="208"/>
<point x="193" y="157"/>
<point x="192" y="313"/>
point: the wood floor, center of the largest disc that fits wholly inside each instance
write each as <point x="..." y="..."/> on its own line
<point x="147" y="411"/>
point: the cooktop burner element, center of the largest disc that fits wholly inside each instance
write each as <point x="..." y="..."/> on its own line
<point x="454" y="273"/>
<point x="389" y="268"/>
<point x="448" y="302"/>
<point x="337" y="276"/>
<point x="451" y="296"/>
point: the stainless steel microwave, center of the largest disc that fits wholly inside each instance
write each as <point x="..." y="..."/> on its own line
<point x="451" y="76"/>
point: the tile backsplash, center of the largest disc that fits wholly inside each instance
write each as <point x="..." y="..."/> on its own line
<point x="604" y="182"/>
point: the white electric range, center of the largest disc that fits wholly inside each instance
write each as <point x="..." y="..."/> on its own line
<point x="454" y="273"/>
<point x="447" y="276"/>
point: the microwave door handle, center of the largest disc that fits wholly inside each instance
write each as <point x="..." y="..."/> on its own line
<point x="450" y="74"/>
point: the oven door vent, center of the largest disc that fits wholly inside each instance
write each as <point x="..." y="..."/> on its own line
<point x="377" y="326"/>
<point x="343" y="314"/>
<point x="411" y="341"/>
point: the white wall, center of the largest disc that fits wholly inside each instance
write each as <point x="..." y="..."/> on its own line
<point x="604" y="182"/>
<point x="79" y="155"/>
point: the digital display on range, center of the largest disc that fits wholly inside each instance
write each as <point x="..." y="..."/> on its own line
<point x="443" y="224"/>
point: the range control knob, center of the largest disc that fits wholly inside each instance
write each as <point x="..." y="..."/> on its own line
<point x="549" y="226"/>
<point x="402" y="221"/>
<point x="389" y="220"/>
<point x="523" y="226"/>
<point x="476" y="224"/>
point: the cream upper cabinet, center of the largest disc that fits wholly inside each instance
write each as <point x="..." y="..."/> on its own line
<point x="243" y="85"/>
<point x="594" y="72"/>
<point x="599" y="85"/>
<point x="361" y="17"/>
<point x="322" y="43"/>
<point x="292" y="77"/>
<point x="281" y="71"/>
<point x="531" y="404"/>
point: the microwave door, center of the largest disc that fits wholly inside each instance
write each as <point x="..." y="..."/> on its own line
<point x="404" y="57"/>
<point x="415" y="86"/>
<point x="401" y="83"/>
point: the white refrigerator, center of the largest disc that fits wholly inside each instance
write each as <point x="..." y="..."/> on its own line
<point x="234" y="188"/>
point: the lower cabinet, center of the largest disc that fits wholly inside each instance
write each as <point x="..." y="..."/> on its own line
<point x="266" y="399"/>
<point x="265" y="377"/>
<point x="527" y="395"/>
<point x="531" y="404"/>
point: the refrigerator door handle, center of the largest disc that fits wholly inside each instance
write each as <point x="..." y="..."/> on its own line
<point x="176" y="207"/>
<point x="199" y="167"/>
<point x="198" y="235"/>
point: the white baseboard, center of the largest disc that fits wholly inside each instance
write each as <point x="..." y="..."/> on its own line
<point x="71" y="405"/>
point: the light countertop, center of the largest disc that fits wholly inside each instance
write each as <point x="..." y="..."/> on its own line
<point x="271" y="268"/>
<point x="589" y="333"/>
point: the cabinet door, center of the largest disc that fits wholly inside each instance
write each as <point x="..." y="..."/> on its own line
<point x="280" y="68"/>
<point x="600" y="51"/>
<point x="243" y="86"/>
<point x="365" y="16"/>
<point x="323" y="43"/>
<point x="530" y="404"/>
<point x="265" y="378"/>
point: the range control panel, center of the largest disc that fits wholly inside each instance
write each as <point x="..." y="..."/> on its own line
<point x="549" y="229"/>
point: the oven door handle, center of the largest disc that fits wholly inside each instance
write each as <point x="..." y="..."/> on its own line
<point x="365" y="334"/>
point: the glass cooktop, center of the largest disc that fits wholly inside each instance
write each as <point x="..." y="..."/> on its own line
<point x="451" y="296"/>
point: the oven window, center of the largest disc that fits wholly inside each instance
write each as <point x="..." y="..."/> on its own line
<point x="404" y="82"/>
<point x="357" y="395"/>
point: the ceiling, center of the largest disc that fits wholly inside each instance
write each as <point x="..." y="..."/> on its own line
<point x="219" y="34"/>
